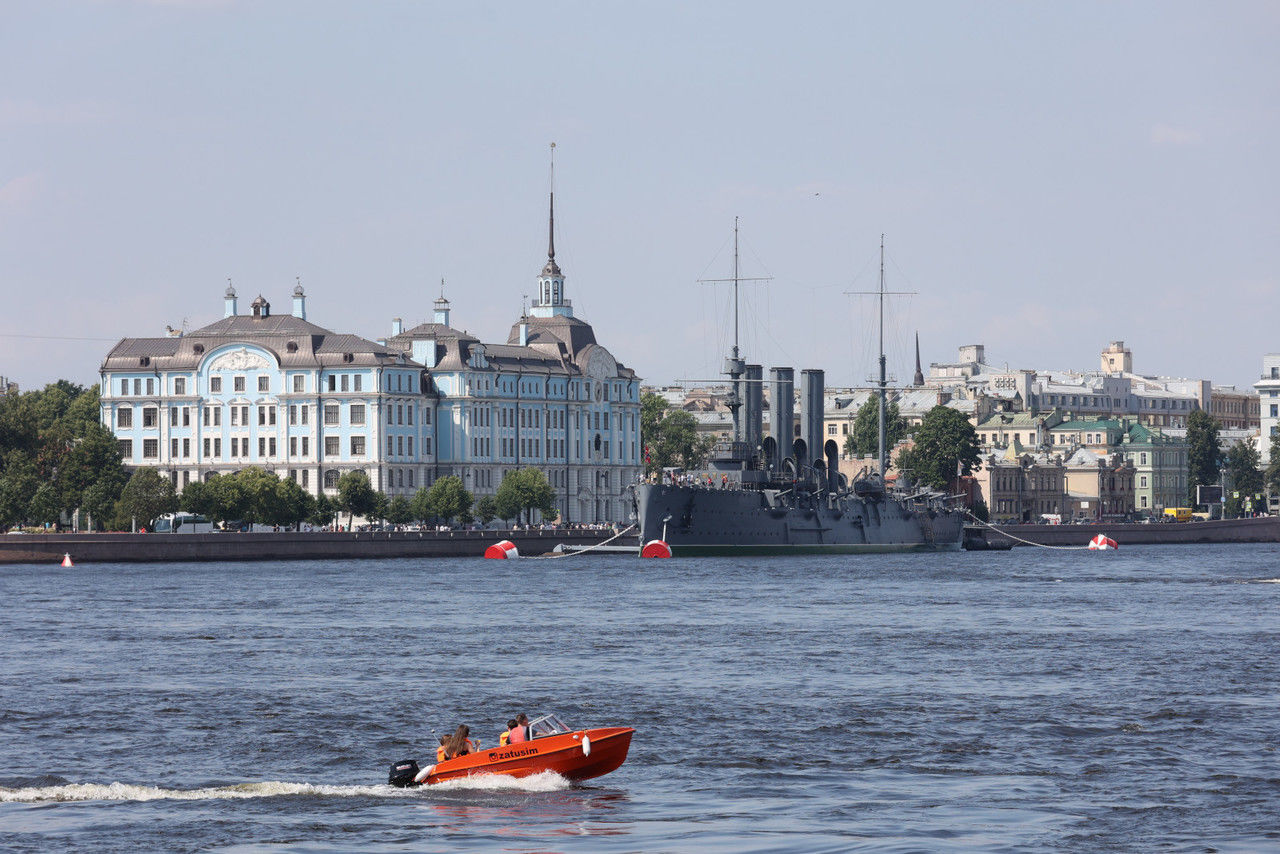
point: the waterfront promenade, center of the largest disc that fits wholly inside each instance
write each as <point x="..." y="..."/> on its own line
<point x="342" y="545"/>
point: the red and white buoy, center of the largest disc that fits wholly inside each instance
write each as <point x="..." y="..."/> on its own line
<point x="66" y="559"/>
<point x="503" y="550"/>
<point x="656" y="548"/>
<point x="1102" y="543"/>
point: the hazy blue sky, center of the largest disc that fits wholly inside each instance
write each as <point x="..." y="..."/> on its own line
<point x="1050" y="176"/>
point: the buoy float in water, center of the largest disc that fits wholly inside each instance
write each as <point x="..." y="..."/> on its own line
<point x="66" y="559"/>
<point x="655" y="548"/>
<point x="1102" y="543"/>
<point x="502" y="550"/>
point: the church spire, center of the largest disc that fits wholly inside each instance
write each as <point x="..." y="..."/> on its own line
<point x="551" y="301"/>
<point x="552" y="269"/>
<point x="919" y="378"/>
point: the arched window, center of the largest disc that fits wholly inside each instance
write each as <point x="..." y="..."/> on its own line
<point x="331" y="479"/>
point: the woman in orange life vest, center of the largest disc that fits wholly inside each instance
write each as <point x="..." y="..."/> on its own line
<point x="519" y="729"/>
<point x="459" y="744"/>
<point x="505" y="738"/>
<point x="440" y="749"/>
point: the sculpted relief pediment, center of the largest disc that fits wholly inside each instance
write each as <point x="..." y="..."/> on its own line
<point x="240" y="360"/>
<point x="601" y="365"/>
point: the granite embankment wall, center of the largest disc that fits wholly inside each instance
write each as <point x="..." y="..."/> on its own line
<point x="1265" y="529"/>
<point x="117" y="548"/>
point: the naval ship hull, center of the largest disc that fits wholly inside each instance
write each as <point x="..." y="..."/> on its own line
<point x="694" y="520"/>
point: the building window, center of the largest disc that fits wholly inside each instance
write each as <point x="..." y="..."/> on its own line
<point x="333" y="382"/>
<point x="357" y="412"/>
<point x="293" y="414"/>
<point x="262" y="416"/>
<point x="305" y="478"/>
<point x="173" y="448"/>
<point x="357" y="446"/>
<point x="346" y="382"/>
<point x="410" y="450"/>
<point x="206" y="448"/>
<point x="264" y="383"/>
<point x="306" y="446"/>
<point x="297" y="382"/>
<point x="293" y="446"/>
<point x="262" y="446"/>
<point x="217" y="447"/>
<point x="238" y="383"/>
<point x="148" y="416"/>
<point x="331" y="414"/>
<point x="180" y="385"/>
<point x="305" y="409"/>
<point x="150" y="448"/>
<point x="215" y="385"/>
<point x="124" y="418"/>
<point x="331" y="447"/>
<point x="331" y="479"/>
<point x="151" y="385"/>
<point x="356" y="383"/>
<point x="235" y="416"/>
<point x="426" y="446"/>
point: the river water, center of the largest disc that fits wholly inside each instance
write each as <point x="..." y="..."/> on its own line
<point x="1024" y="701"/>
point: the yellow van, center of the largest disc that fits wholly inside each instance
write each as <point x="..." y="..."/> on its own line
<point x="1177" y="514"/>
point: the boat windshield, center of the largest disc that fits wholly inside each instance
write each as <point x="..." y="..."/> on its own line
<point x="547" y="725"/>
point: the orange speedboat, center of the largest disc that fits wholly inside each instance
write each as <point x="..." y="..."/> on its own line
<point x="552" y="746"/>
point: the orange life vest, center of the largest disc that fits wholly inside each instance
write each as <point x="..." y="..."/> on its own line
<point x="440" y="753"/>
<point x="504" y="738"/>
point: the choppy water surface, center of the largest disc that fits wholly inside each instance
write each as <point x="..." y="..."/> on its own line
<point x="1011" y="702"/>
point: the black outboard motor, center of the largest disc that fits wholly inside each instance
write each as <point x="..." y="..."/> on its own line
<point x="402" y="774"/>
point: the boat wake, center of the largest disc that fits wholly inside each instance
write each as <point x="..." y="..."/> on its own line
<point x="71" y="792"/>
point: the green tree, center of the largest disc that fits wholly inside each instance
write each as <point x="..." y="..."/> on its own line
<point x="356" y="496"/>
<point x="653" y="408"/>
<point x="1273" y="466"/>
<point x="865" y="438"/>
<point x="486" y="509"/>
<point x="448" y="499"/>
<point x="18" y="486"/>
<point x="1247" y="482"/>
<point x="226" y="500"/>
<point x="294" y="503"/>
<point x="944" y="441"/>
<point x="92" y="458"/>
<point x="99" y="501"/>
<point x="146" y="496"/>
<point x="523" y="491"/>
<point x="322" y="511"/>
<point x="677" y="443"/>
<point x="980" y="511"/>
<point x="399" y="510"/>
<point x="1204" y="455"/>
<point x="46" y="506"/>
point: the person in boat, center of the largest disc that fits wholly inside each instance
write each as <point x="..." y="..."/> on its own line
<point x="520" y="731"/>
<point x="440" y="749"/>
<point x="505" y="738"/>
<point x="459" y="744"/>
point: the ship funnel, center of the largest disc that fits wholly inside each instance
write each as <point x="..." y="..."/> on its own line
<point x="811" y="406"/>
<point x="755" y="410"/>
<point x="782" y="414"/>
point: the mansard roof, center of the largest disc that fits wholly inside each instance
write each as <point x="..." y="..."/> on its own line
<point x="294" y="342"/>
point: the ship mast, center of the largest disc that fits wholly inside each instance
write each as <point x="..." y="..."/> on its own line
<point x="734" y="367"/>
<point x="883" y="378"/>
<point x="882" y="384"/>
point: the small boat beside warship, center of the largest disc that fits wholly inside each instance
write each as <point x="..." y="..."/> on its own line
<point x="782" y="493"/>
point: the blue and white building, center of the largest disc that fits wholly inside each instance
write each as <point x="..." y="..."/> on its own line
<point x="286" y="395"/>
<point x="273" y="391"/>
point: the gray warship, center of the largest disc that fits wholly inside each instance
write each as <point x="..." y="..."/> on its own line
<point x="784" y="494"/>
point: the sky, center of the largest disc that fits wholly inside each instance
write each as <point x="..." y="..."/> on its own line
<point x="1048" y="177"/>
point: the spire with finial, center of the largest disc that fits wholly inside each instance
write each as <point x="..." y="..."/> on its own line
<point x="919" y="378"/>
<point x="552" y="269"/>
<point x="550" y="301"/>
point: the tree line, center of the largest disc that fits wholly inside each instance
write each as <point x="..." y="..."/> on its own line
<point x="56" y="457"/>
